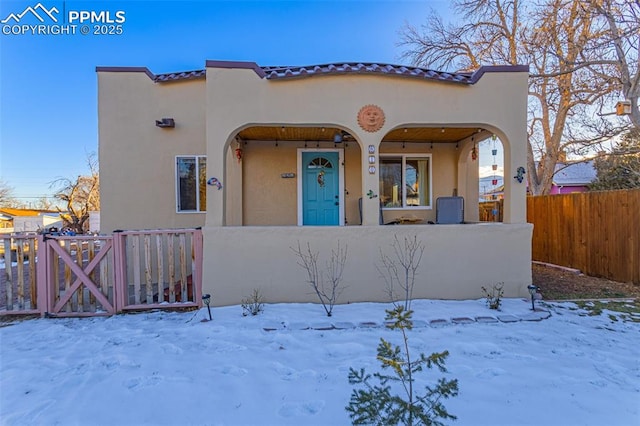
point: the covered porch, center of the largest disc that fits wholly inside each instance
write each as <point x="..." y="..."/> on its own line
<point x="301" y="161"/>
<point x="278" y="175"/>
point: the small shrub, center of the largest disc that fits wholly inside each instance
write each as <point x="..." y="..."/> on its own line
<point x="253" y="304"/>
<point x="400" y="268"/>
<point x="494" y="296"/>
<point x="375" y="404"/>
<point x="327" y="283"/>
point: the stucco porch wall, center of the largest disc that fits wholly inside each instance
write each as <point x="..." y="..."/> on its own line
<point x="239" y="98"/>
<point x="458" y="260"/>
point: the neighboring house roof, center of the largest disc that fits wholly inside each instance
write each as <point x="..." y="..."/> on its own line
<point x="287" y="72"/>
<point x="25" y="212"/>
<point x="575" y="174"/>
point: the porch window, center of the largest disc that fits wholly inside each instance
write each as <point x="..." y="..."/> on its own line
<point x="191" y="194"/>
<point x="405" y="181"/>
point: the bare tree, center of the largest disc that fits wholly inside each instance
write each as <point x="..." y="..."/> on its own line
<point x="45" y="203"/>
<point x="565" y="44"/>
<point x="6" y="194"/>
<point x="622" y="40"/>
<point x="80" y="196"/>
<point x="401" y="268"/>
<point x="327" y="283"/>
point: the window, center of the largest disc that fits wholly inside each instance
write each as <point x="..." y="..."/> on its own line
<point x="405" y="181"/>
<point x="191" y="188"/>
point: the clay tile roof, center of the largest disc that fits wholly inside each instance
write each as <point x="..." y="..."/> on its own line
<point x="286" y="72"/>
<point x="185" y="75"/>
<point x="289" y="72"/>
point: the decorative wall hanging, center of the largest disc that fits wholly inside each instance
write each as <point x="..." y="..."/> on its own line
<point x="371" y="194"/>
<point x="494" y="166"/>
<point x="215" y="182"/>
<point x="371" y="118"/>
<point x="520" y="174"/>
<point x="321" y="178"/>
<point x="239" y="154"/>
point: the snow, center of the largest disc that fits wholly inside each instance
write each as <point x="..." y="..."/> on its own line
<point x="169" y="368"/>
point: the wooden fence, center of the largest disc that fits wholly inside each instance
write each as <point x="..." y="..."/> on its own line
<point x="595" y="232"/>
<point x="491" y="211"/>
<point x="101" y="275"/>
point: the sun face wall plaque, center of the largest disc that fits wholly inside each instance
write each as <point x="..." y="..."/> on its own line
<point x="371" y="118"/>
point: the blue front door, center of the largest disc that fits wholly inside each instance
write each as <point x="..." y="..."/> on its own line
<point x="320" y="189"/>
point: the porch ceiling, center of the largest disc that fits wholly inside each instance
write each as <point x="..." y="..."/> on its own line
<point x="409" y="134"/>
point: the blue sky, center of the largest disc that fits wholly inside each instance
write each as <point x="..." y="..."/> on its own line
<point x="48" y="105"/>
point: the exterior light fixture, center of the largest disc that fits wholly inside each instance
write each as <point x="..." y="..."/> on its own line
<point x="533" y="289"/>
<point x="207" y="300"/>
<point x="166" y="123"/>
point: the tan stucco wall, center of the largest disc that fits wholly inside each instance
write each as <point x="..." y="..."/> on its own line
<point x="138" y="176"/>
<point x="497" y="102"/>
<point x="458" y="260"/>
<point x="137" y="159"/>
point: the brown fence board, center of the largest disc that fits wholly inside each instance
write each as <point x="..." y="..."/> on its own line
<point x="596" y="232"/>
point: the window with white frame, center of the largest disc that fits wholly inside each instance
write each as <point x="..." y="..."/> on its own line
<point x="191" y="188"/>
<point x="405" y="181"/>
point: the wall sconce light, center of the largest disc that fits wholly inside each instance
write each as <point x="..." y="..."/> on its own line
<point x="166" y="123"/>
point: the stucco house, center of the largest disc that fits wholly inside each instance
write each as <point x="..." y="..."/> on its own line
<point x="263" y="158"/>
<point x="27" y="220"/>
<point x="573" y="177"/>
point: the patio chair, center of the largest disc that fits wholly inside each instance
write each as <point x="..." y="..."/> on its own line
<point x="449" y="210"/>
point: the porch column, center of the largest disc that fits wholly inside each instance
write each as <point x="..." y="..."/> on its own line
<point x="216" y="167"/>
<point x="370" y="181"/>
<point x="468" y="182"/>
<point x="515" y="193"/>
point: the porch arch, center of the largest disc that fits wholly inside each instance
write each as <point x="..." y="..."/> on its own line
<point x="454" y="170"/>
<point x="261" y="178"/>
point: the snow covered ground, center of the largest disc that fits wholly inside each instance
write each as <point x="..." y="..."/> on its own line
<point x="166" y="368"/>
